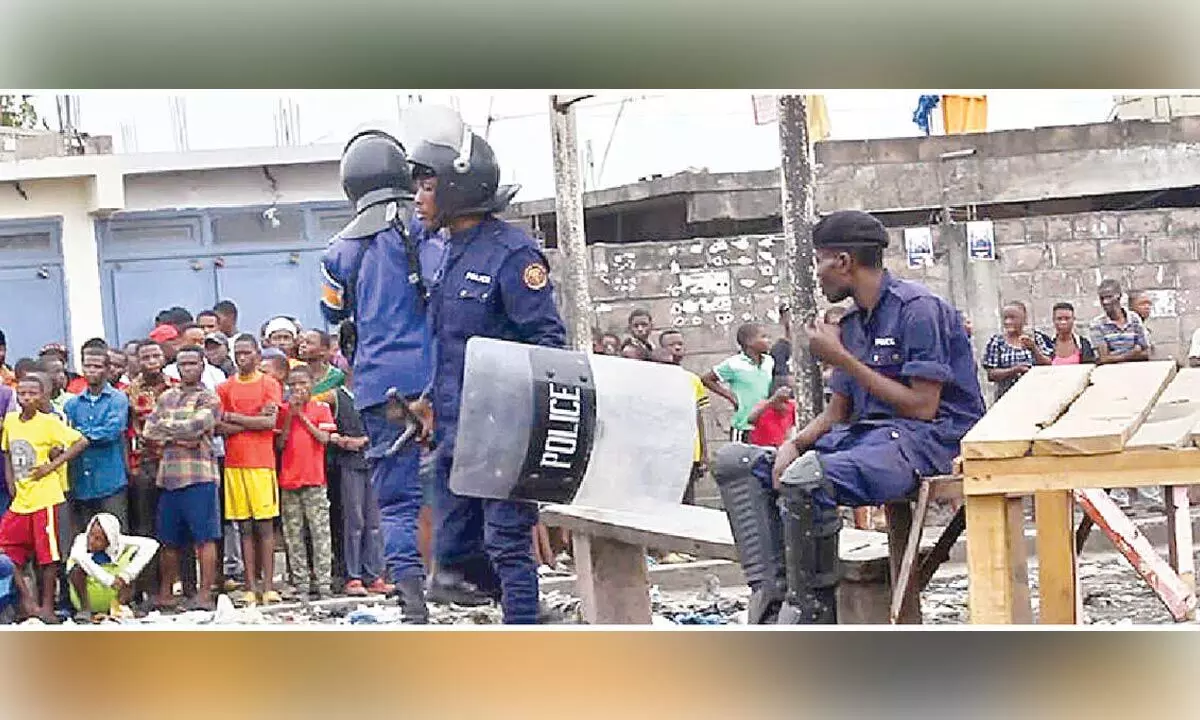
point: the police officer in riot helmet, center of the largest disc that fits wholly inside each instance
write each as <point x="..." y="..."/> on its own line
<point x="374" y="278"/>
<point x="494" y="282"/>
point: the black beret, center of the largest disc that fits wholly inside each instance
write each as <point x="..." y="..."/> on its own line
<point x="849" y="228"/>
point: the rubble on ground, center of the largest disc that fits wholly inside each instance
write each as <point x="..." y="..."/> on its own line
<point x="1112" y="595"/>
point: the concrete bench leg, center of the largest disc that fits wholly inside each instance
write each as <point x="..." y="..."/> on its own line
<point x="612" y="580"/>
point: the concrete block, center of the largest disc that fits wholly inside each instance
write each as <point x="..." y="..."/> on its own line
<point x="1024" y="258"/>
<point x="893" y="150"/>
<point x="1164" y="330"/>
<point x="1059" y="228"/>
<point x="1146" y="132"/>
<point x="1121" y="251"/>
<point x="1142" y="222"/>
<point x="917" y="185"/>
<point x="825" y="197"/>
<point x="961" y="178"/>
<point x="1058" y="139"/>
<point x="1016" y="286"/>
<point x="1009" y="143"/>
<point x="995" y="177"/>
<point x="1095" y="225"/>
<point x="1010" y="232"/>
<point x="1076" y="253"/>
<point x="1036" y="230"/>
<point x="1187" y="273"/>
<point x="1053" y="285"/>
<point x="833" y="174"/>
<point x="1168" y="248"/>
<point x="1184" y="221"/>
<point x="1187" y="301"/>
<point x="841" y="152"/>
<point x="1185" y="129"/>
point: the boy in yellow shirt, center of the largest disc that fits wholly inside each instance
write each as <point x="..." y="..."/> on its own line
<point x="39" y="445"/>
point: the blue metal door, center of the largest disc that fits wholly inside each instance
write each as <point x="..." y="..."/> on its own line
<point x="143" y="288"/>
<point x="33" y="310"/>
<point x="267" y="284"/>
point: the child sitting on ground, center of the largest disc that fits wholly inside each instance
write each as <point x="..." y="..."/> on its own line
<point x="103" y="565"/>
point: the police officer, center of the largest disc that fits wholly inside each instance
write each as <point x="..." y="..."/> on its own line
<point x="373" y="281"/>
<point x="904" y="392"/>
<point x="494" y="282"/>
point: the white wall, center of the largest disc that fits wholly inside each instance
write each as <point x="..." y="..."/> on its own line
<point x="69" y="200"/>
<point x="75" y="189"/>
<point x="232" y="187"/>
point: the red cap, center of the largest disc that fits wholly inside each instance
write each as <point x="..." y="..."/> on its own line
<point x="163" y="333"/>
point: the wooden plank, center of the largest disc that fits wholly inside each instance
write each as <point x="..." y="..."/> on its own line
<point x="1176" y="596"/>
<point x="989" y="565"/>
<point x="1018" y="562"/>
<point x="1180" y="551"/>
<point x="690" y="529"/>
<point x="900" y="529"/>
<point x="1108" y="412"/>
<point x="1171" y="422"/>
<point x="1057" y="575"/>
<point x="1134" y="468"/>
<point x="612" y="581"/>
<point x="1035" y="402"/>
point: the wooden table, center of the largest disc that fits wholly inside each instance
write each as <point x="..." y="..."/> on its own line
<point x="995" y="524"/>
<point x="1063" y="433"/>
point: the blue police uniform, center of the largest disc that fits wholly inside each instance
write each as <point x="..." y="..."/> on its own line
<point x="394" y="350"/>
<point x="877" y="456"/>
<point x="494" y="283"/>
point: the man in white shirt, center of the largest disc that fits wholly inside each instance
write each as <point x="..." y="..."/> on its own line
<point x="193" y="336"/>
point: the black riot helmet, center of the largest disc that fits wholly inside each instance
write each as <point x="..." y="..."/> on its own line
<point x="377" y="180"/>
<point x="468" y="176"/>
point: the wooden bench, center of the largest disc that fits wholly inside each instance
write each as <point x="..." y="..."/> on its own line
<point x="613" y="581"/>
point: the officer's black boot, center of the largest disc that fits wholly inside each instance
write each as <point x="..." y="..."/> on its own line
<point x="810" y="533"/>
<point x="410" y="595"/>
<point x="449" y="587"/>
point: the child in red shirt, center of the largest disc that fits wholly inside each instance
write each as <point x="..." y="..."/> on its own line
<point x="303" y="431"/>
<point x="773" y="419"/>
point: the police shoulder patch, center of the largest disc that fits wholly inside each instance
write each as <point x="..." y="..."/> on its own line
<point x="535" y="276"/>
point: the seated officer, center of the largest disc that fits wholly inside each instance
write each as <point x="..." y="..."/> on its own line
<point x="904" y="392"/>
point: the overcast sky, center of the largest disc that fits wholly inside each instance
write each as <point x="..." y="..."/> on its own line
<point x="622" y="136"/>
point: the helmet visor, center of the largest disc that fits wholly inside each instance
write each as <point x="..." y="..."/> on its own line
<point x="438" y="126"/>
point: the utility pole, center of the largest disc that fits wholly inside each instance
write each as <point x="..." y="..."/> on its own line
<point x="796" y="182"/>
<point x="568" y="206"/>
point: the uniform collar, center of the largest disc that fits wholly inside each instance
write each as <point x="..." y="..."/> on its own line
<point x="466" y="236"/>
<point x="888" y="286"/>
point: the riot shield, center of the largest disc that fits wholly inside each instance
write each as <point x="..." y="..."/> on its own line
<point x="560" y="426"/>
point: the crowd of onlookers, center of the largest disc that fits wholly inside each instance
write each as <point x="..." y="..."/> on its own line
<point x="171" y="464"/>
<point x="1119" y="334"/>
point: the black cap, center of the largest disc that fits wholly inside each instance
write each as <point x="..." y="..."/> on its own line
<point x="3" y="339"/>
<point x="846" y="228"/>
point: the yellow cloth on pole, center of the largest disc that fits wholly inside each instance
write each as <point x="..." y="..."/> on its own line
<point x="818" y="118"/>
<point x="964" y="113"/>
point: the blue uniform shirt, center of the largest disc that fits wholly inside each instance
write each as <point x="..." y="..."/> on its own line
<point x="912" y="333"/>
<point x="494" y="283"/>
<point x="393" y="330"/>
<point x="102" y="419"/>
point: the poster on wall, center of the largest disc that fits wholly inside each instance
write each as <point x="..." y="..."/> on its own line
<point x="981" y="240"/>
<point x="918" y="246"/>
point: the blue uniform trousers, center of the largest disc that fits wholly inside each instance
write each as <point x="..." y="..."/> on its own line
<point x="507" y="539"/>
<point x="397" y="483"/>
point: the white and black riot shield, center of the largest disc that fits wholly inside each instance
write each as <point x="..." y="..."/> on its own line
<point x="559" y="426"/>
